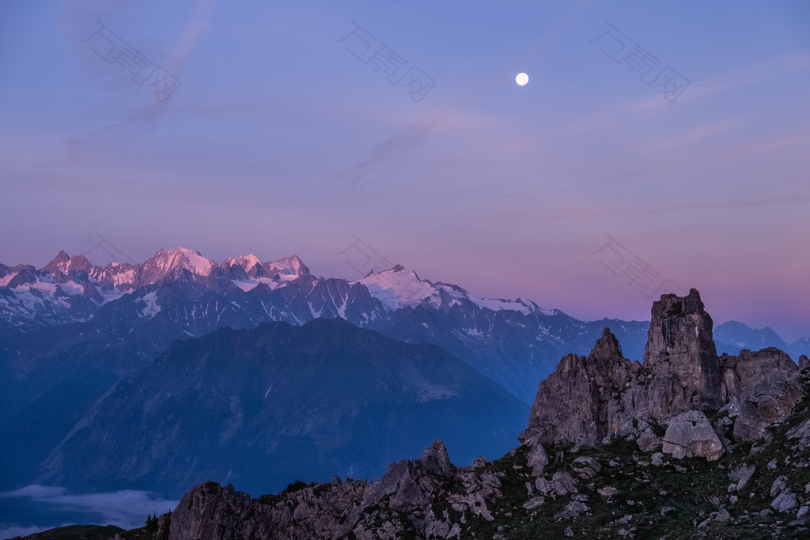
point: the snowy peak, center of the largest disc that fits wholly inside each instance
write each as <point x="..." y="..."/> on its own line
<point x="288" y="266"/>
<point x="66" y="264"/>
<point x="165" y="262"/>
<point x="247" y="262"/>
<point x="70" y="288"/>
<point x="53" y="266"/>
<point x="397" y="288"/>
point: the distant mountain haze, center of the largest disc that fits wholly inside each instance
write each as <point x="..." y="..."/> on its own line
<point x="277" y="403"/>
<point x="732" y="337"/>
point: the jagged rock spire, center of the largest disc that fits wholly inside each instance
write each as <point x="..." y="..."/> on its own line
<point x="680" y="341"/>
<point x="572" y="403"/>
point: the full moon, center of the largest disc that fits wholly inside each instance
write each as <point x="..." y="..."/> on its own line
<point x="522" y="79"/>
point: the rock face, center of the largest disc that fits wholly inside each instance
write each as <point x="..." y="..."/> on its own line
<point x="587" y="400"/>
<point x="754" y="373"/>
<point x="680" y="342"/>
<point x="759" y="386"/>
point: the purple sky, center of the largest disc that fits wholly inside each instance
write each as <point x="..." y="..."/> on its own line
<point x="278" y="141"/>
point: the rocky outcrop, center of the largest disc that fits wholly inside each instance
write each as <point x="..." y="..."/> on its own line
<point x="410" y="483"/>
<point x="753" y="373"/>
<point x="588" y="400"/>
<point x="210" y="511"/>
<point x="761" y="390"/>
<point x="401" y="503"/>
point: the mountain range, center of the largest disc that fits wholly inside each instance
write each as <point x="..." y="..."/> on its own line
<point x="71" y="331"/>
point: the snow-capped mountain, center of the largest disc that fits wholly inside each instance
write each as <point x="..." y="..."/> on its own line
<point x="253" y="267"/>
<point x="71" y="289"/>
<point x="166" y="262"/>
<point x="397" y="288"/>
<point x="247" y="262"/>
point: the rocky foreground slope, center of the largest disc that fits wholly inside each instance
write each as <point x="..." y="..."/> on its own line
<point x="685" y="445"/>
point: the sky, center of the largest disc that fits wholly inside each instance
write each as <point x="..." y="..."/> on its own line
<point x="656" y="145"/>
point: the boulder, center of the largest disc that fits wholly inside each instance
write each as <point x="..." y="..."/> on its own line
<point x="543" y="486"/>
<point x="801" y="432"/>
<point x="691" y="435"/>
<point x="533" y="503"/>
<point x="572" y="510"/>
<point x="779" y="485"/>
<point x="563" y="483"/>
<point x="586" y="467"/>
<point x="785" y="502"/>
<point x="741" y="475"/>
<point x="607" y="491"/>
<point x="537" y="459"/>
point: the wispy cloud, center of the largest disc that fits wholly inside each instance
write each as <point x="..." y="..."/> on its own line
<point x="723" y="82"/>
<point x="126" y="508"/>
<point x="688" y="137"/>
<point x="759" y="71"/>
<point x="598" y="211"/>
<point x="389" y="152"/>
<point x="745" y="148"/>
<point x="190" y="36"/>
